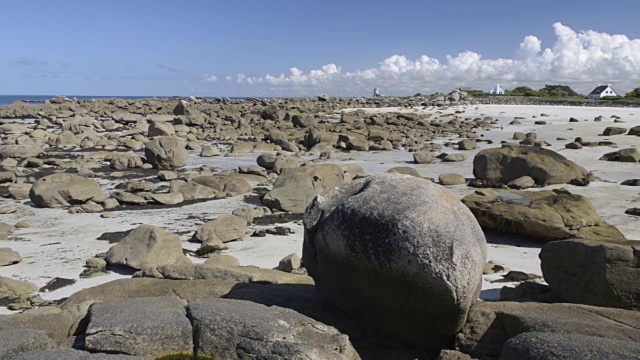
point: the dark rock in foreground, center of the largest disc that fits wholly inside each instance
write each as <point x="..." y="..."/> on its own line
<point x="593" y="272"/>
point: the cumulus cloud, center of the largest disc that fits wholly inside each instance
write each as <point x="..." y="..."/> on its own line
<point x="209" y="79"/>
<point x="579" y="59"/>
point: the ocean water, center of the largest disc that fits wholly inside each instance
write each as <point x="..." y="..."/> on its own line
<point x="39" y="99"/>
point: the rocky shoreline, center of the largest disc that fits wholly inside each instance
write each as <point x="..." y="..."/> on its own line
<point x="358" y="198"/>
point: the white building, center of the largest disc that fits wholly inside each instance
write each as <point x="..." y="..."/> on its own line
<point x="497" y="90"/>
<point x="601" y="91"/>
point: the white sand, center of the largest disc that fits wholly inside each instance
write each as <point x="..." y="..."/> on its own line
<point x="57" y="244"/>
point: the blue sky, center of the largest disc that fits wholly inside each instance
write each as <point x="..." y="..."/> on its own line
<point x="304" y="48"/>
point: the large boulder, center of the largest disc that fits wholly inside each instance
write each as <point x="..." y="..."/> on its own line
<point x="498" y="166"/>
<point x="399" y="252"/>
<point x="167" y="152"/>
<point x="237" y="329"/>
<point x="550" y="346"/>
<point x="61" y="190"/>
<point x="153" y="326"/>
<point x="295" y="188"/>
<point x="147" y="246"/>
<point x="541" y="215"/>
<point x="593" y="272"/>
<point x="491" y="324"/>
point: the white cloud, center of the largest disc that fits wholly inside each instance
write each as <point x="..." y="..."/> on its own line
<point x="209" y="79"/>
<point x="579" y="59"/>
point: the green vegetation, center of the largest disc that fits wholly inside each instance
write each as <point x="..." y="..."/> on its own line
<point x="558" y="91"/>
<point x="634" y="94"/>
<point x="550" y="91"/>
<point x="523" y="91"/>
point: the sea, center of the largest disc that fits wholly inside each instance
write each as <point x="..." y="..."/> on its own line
<point x="39" y="99"/>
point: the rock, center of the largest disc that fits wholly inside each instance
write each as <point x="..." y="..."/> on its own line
<point x="523" y="182"/>
<point x="166" y="152"/>
<point x="631" y="182"/>
<point x="221" y="272"/>
<point x="551" y="346"/>
<point x="455" y="157"/>
<point x="189" y="290"/>
<point x="491" y="324"/>
<point x="573" y="145"/>
<point x="124" y="197"/>
<point x="152" y="326"/>
<point x="498" y="166"/>
<point x="167" y="199"/>
<point x="237" y="329"/>
<point x="223" y="229"/>
<point x="295" y="188"/>
<point x="166" y="175"/>
<point x="61" y="190"/>
<point x="209" y="150"/>
<point x="160" y="129"/>
<point x="634" y="131"/>
<point x="13" y="342"/>
<point x="451" y="179"/>
<point x="272" y="112"/>
<point x="406" y="170"/>
<point x="222" y="260"/>
<point x="423" y="157"/>
<point x="633" y="211"/>
<point x="6" y="230"/>
<point x="593" y="272"/>
<point x="623" y="155"/>
<point x="388" y="240"/>
<point x="56" y="323"/>
<point x="224" y="183"/>
<point x="7" y="177"/>
<point x="147" y="246"/>
<point x="453" y="355"/>
<point x="125" y="161"/>
<point x="289" y="263"/>
<point x="12" y="290"/>
<point x="72" y="354"/>
<point x="9" y="257"/>
<point x="19" y="151"/>
<point x="467" y="144"/>
<point x="612" y="130"/>
<point x="191" y="190"/>
<point x="541" y="215"/>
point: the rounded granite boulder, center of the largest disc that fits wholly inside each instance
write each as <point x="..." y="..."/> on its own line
<point x="399" y="252"/>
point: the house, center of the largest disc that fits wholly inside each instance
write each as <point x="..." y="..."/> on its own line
<point x="498" y="90"/>
<point x="601" y="91"/>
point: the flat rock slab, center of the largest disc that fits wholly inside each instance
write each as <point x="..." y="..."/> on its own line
<point x="491" y="324"/>
<point x="143" y="326"/>
<point x="550" y="346"/>
<point x="237" y="329"/>
<point x="14" y="342"/>
<point x="71" y="354"/>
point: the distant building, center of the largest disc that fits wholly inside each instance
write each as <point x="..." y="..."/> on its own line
<point x="497" y="90"/>
<point x="601" y="91"/>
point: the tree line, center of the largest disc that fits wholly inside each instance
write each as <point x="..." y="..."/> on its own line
<point x="555" y="91"/>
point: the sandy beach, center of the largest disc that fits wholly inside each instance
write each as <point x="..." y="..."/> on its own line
<point x="56" y="244"/>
